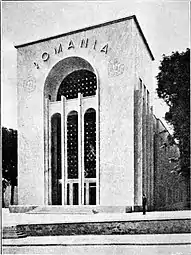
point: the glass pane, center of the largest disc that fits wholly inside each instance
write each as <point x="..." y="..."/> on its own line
<point x="75" y="193"/>
<point x="68" y="194"/>
<point x="56" y="158"/>
<point x="92" y="194"/>
<point x="72" y="145"/>
<point x="90" y="143"/>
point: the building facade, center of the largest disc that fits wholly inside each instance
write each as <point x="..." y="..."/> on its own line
<point x="85" y="122"/>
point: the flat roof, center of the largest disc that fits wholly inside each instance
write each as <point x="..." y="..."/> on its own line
<point x="93" y="27"/>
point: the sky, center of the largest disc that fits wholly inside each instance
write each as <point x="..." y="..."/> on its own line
<point x="165" y="25"/>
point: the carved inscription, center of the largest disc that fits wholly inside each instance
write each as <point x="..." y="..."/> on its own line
<point x="94" y="47"/>
<point x="84" y="43"/>
<point x="71" y="45"/>
<point x="104" y="49"/>
<point x="45" y="56"/>
<point x="115" y="68"/>
<point x="58" y="50"/>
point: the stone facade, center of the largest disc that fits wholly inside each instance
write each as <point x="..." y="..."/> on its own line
<point x="117" y="54"/>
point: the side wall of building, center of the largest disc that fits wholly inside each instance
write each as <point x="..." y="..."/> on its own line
<point x="171" y="190"/>
<point x="143" y="140"/>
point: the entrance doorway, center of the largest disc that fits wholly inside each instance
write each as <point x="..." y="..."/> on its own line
<point x="74" y="141"/>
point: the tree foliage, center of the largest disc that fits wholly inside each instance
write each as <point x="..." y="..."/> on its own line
<point x="174" y="88"/>
<point x="9" y="155"/>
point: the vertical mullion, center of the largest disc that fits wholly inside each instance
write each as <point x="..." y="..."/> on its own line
<point x="82" y="155"/>
<point x="144" y="141"/>
<point x="87" y="193"/>
<point x="71" y="193"/>
<point x="97" y="151"/>
<point x="63" y="147"/>
<point x="66" y="154"/>
<point x="49" y="159"/>
<point x="147" y="150"/>
<point x="80" y="148"/>
<point x="46" y="150"/>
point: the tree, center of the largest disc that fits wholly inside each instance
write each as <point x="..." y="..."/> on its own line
<point x="174" y="88"/>
<point x="9" y="157"/>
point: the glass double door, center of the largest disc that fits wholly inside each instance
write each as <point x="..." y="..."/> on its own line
<point x="73" y="158"/>
<point x="73" y="192"/>
<point x="81" y="160"/>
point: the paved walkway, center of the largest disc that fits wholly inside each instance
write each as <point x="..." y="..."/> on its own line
<point x="160" y="239"/>
<point x="12" y="219"/>
<point x="101" y="250"/>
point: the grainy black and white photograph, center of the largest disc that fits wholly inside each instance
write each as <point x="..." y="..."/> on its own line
<point x="95" y="126"/>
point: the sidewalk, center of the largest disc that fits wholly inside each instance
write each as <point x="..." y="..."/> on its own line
<point x="12" y="219"/>
<point x="160" y="239"/>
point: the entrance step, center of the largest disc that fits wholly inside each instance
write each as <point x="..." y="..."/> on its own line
<point x="70" y="209"/>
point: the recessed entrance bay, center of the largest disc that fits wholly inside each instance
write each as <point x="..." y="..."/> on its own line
<point x="74" y="140"/>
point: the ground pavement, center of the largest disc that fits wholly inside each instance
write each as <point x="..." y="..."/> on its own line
<point x="161" y="244"/>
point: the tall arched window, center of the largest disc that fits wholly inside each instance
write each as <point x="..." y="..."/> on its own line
<point x="90" y="143"/>
<point x="90" y="157"/>
<point x="56" y="158"/>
